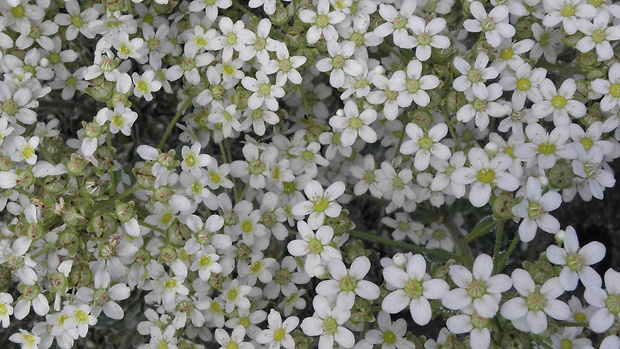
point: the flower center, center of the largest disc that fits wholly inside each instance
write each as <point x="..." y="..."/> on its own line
<point x="580" y="317"/>
<point x="439" y="235"/>
<point x="170" y="284"/>
<point x="412" y="85"/>
<point x="598" y="36"/>
<point x="474" y="75"/>
<point x="614" y="90"/>
<point x="558" y="102"/>
<point x="524" y="84"/>
<point x="338" y="61"/>
<point x="285" y="65"/>
<point x="200" y="41"/>
<point x="613" y="303"/>
<point x="347" y="284"/>
<point x="476" y="289"/>
<point x="232" y="294"/>
<point x="568" y="10"/>
<point x="587" y="143"/>
<point x="231" y="38"/>
<point x="424" y="39"/>
<point x="307" y="155"/>
<point x="566" y="344"/>
<point x="486" y="176"/>
<point x="356" y="123"/>
<point x="574" y="261"/>
<point x="546" y="148"/>
<point x="389" y="337"/>
<point x="369" y="177"/>
<point x="232" y="345"/>
<point x="315" y="246"/>
<point x="535" y="301"/>
<point x="229" y="69"/>
<point x="256" y="167"/>
<point x="487" y="24"/>
<point x="398" y="183"/>
<point x="205" y="261"/>
<point x="81" y="316"/>
<point x="190" y="160"/>
<point x="414" y="289"/>
<point x="18" y="11"/>
<point x="27" y="151"/>
<point x="479" y="104"/>
<point x="478" y="321"/>
<point x="214" y="177"/>
<point x="264" y="90"/>
<point x="534" y="210"/>
<point x="322" y="21"/>
<point x="278" y="334"/>
<point x="507" y="53"/>
<point x="330" y="326"/>
<point x="390" y="95"/>
<point x="321" y="204"/>
<point x="246" y="226"/>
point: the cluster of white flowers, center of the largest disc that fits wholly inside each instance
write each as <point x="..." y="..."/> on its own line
<point x="297" y="173"/>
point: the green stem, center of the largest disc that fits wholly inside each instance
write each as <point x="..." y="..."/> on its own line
<point x="499" y="236"/>
<point x="111" y="148"/>
<point x="113" y="199"/>
<point x="172" y="123"/>
<point x="511" y="248"/>
<point x="461" y="246"/>
<point x="46" y="155"/>
<point x="451" y="129"/>
<point x="400" y="140"/>
<point x="439" y="253"/>
<point x="151" y="226"/>
<point x="243" y="9"/>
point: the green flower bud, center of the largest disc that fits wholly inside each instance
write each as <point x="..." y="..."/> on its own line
<point x="29" y="292"/>
<point x="124" y="211"/>
<point x="309" y="53"/>
<point x="502" y="206"/>
<point x="243" y="251"/>
<point x="593" y="114"/>
<point x="100" y="89"/>
<point x="361" y="312"/>
<point x="240" y="98"/>
<point x="164" y="8"/>
<point x="162" y="194"/>
<point x="540" y="270"/>
<point x="80" y="275"/>
<point x="105" y="158"/>
<point x="454" y="101"/>
<point x="58" y="282"/>
<point x="25" y="178"/>
<point x="34" y="231"/>
<point x="77" y="212"/>
<point x="167" y="254"/>
<point x="301" y="340"/>
<point x="102" y="225"/>
<point x="355" y="249"/>
<point x="144" y="176"/>
<point x="280" y="16"/>
<point x="114" y="5"/>
<point x="571" y="40"/>
<point x="69" y="240"/>
<point x="54" y="145"/>
<point x="116" y="98"/>
<point x="216" y="281"/>
<point x="178" y="233"/>
<point x="422" y="118"/>
<point x="55" y="185"/>
<point x="5" y="163"/>
<point x="167" y="159"/>
<point x="516" y="340"/>
<point x="523" y="27"/>
<point x="5" y="278"/>
<point x="561" y="175"/>
<point x="294" y="36"/>
<point x="94" y="187"/>
<point x="76" y="166"/>
<point x="142" y="257"/>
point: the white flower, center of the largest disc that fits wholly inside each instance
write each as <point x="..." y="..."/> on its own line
<point x="485" y="174"/>
<point x="545" y="147"/>
<point x="285" y="66"/>
<point x="396" y="23"/>
<point x="480" y="288"/>
<point x="412" y="85"/>
<point x="425" y="145"/>
<point x="606" y="300"/>
<point x="315" y="246"/>
<point x="425" y="35"/>
<point x="524" y="84"/>
<point x="145" y="84"/>
<point x="193" y="161"/>
<point x="340" y="63"/>
<point x="26" y="339"/>
<point x="322" y="21"/>
<point x="534" y="210"/>
<point x="529" y="312"/>
<point x="104" y="297"/>
<point x="480" y="109"/>
<point x="574" y="14"/>
<point x="6" y="310"/>
<point x="559" y="102"/>
<point x="473" y="78"/>
<point x="351" y="123"/>
<point x="234" y="340"/>
<point x="477" y="325"/>
<point x="390" y="334"/>
<point x="577" y="261"/>
<point x="320" y="204"/>
<point x="347" y="284"/>
<point x="598" y="35"/>
<point x="413" y="288"/>
<point x="327" y="322"/>
<point x="211" y="8"/>
<point x="494" y="25"/>
<point x="279" y="331"/>
<point x="121" y="118"/>
<point x="25" y="150"/>
<point x="396" y="187"/>
<point x="263" y="91"/>
<point x="609" y="88"/>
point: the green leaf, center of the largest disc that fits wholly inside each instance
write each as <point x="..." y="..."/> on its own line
<point x="484" y="226"/>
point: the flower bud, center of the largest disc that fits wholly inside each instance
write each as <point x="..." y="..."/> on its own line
<point x="559" y="236"/>
<point x="178" y="233"/>
<point x="76" y="166"/>
<point x="502" y="206"/>
<point x="361" y="312"/>
<point x="167" y="254"/>
<point x="100" y="89"/>
<point x="69" y="240"/>
<point x="454" y="101"/>
<point x="80" y="275"/>
<point x="593" y="114"/>
<point x="294" y="36"/>
<point x="280" y="16"/>
<point x="55" y="185"/>
<point x="540" y="270"/>
<point x="422" y="118"/>
<point x="34" y="231"/>
<point x="166" y="8"/>
<point x="29" y="292"/>
<point x="58" y="282"/>
<point x="561" y="175"/>
<point x="144" y="176"/>
<point x="5" y="278"/>
<point x="124" y="211"/>
<point x="25" y="178"/>
<point x="491" y="149"/>
<point x="102" y="225"/>
<point x="5" y="163"/>
<point x="77" y="212"/>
